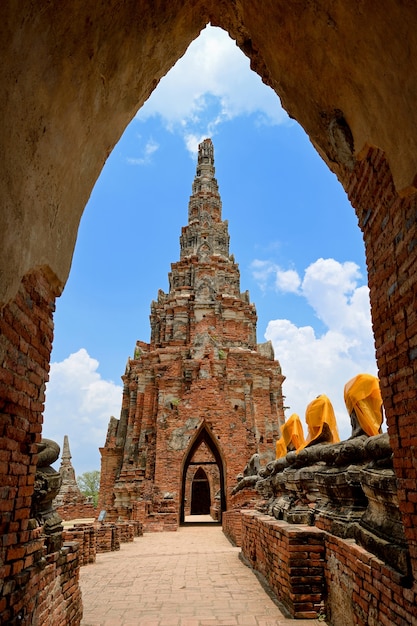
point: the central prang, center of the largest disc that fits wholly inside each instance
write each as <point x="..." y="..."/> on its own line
<point x="202" y="397"/>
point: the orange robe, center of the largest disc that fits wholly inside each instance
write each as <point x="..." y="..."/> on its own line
<point x="318" y="413"/>
<point x="363" y="395"/>
<point x="291" y="433"/>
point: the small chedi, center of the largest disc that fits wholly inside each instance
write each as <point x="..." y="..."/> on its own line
<point x="202" y="395"/>
<point x="69" y="502"/>
<point x="346" y="488"/>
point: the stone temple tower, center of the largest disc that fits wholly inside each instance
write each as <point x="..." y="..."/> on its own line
<point x="202" y="397"/>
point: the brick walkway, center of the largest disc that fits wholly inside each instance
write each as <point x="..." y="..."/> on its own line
<point x="192" y="577"/>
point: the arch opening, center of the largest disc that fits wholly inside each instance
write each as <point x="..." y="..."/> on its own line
<point x="105" y="318"/>
<point x="203" y="493"/>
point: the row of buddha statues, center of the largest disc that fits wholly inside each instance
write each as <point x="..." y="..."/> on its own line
<point x="363" y="401"/>
<point x="347" y="488"/>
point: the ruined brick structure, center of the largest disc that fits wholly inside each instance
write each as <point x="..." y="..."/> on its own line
<point x="31" y="566"/>
<point x="201" y="381"/>
<point x="73" y="76"/>
<point x="70" y="503"/>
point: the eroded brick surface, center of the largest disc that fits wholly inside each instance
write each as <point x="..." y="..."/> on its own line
<point x="39" y="583"/>
<point x="389" y="225"/>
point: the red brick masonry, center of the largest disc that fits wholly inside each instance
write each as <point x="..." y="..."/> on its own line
<point x="315" y="573"/>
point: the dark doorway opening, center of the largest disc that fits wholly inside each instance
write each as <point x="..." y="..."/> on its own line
<point x="199" y="496"/>
<point x="200" y="493"/>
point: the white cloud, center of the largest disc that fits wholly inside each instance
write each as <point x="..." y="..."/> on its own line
<point x="331" y="289"/>
<point x="149" y="149"/>
<point x="210" y="84"/>
<point x="312" y="363"/>
<point x="287" y="281"/>
<point x="262" y="271"/>
<point x="79" y="404"/>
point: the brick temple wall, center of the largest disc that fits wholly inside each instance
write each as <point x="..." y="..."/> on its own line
<point x="53" y="592"/>
<point x="77" y="511"/>
<point x="110" y="463"/>
<point x="30" y="575"/>
<point x="362" y="590"/>
<point x="93" y="538"/>
<point x="170" y="417"/>
<point x="389" y="226"/>
<point x="290" y="557"/>
<point x="232" y="526"/>
<point x="86" y="537"/>
<point x="314" y="573"/>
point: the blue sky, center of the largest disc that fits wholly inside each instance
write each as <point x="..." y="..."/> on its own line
<point x="292" y="231"/>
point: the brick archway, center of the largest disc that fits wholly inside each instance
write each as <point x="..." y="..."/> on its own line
<point x="203" y="435"/>
<point x="74" y="76"/>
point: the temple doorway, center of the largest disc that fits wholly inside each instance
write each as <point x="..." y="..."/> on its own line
<point x="203" y="494"/>
<point x="200" y="494"/>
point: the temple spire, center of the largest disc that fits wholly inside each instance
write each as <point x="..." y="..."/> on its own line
<point x="206" y="152"/>
<point x="205" y="163"/>
<point x="66" y="454"/>
<point x="66" y="469"/>
<point x="205" y="191"/>
<point x="69" y="492"/>
<point x="206" y="278"/>
<point x="206" y="233"/>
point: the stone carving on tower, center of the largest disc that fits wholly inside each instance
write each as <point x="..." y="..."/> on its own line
<point x="202" y="397"/>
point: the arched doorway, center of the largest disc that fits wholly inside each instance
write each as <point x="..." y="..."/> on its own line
<point x="200" y="488"/>
<point x="200" y="493"/>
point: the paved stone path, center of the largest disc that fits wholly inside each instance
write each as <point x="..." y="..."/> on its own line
<point x="192" y="577"/>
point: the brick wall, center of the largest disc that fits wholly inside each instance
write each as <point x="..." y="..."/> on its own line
<point x="36" y="586"/>
<point x="95" y="537"/>
<point x="314" y="573"/>
<point x="291" y="559"/>
<point x="86" y="536"/>
<point x="246" y="499"/>
<point x="232" y="526"/>
<point x="111" y="535"/>
<point x="127" y="532"/>
<point x="108" y="538"/>
<point x="362" y="590"/>
<point x="77" y="511"/>
<point x="53" y="593"/>
<point x="389" y="226"/>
